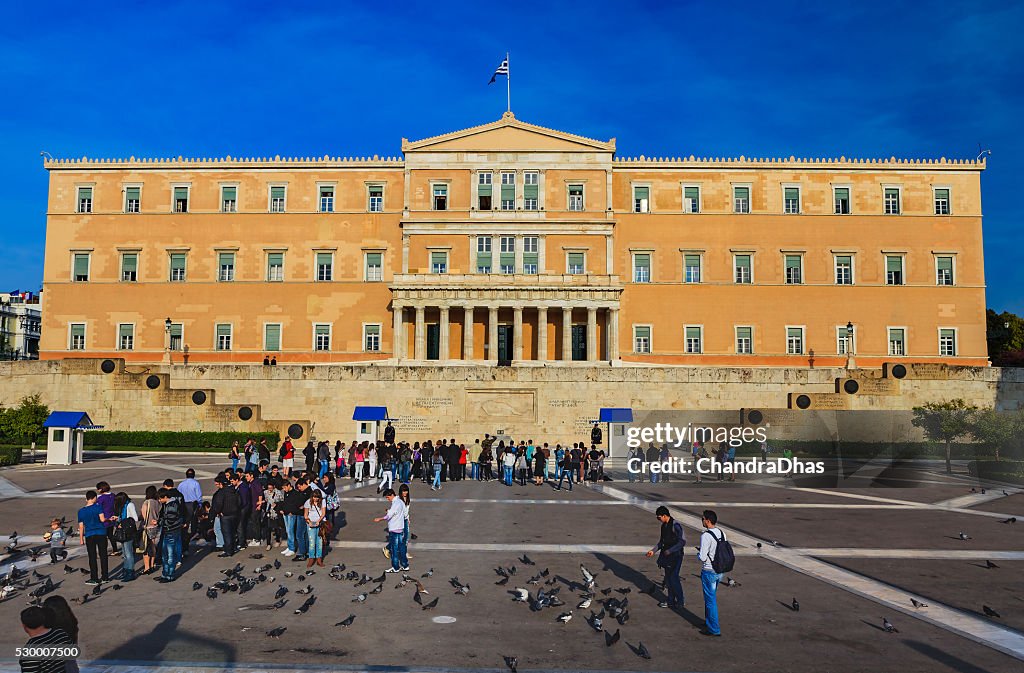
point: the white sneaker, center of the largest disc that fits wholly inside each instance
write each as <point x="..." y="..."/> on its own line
<point x="288" y="552"/>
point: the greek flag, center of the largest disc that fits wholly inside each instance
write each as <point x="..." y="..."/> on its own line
<point x="502" y="70"/>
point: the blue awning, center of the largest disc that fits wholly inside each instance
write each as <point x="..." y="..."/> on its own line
<point x="69" y="419"/>
<point x="612" y="415"/>
<point x="370" y="414"/>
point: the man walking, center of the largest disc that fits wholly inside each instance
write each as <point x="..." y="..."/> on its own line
<point x="93" y="534"/>
<point x="709" y="579"/>
<point x="567" y="470"/>
<point x="192" y="493"/>
<point x="670" y="557"/>
<point x="396" y="532"/>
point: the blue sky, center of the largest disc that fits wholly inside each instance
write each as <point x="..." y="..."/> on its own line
<point x="866" y="79"/>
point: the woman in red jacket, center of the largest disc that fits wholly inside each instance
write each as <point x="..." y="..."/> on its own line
<point x="463" y="457"/>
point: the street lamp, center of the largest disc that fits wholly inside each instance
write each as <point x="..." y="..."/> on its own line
<point x="851" y="363"/>
<point x="167" y="340"/>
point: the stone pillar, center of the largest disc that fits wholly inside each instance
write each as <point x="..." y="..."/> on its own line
<point x="567" y="333"/>
<point x="467" y="332"/>
<point x="444" y="351"/>
<point x="420" y="350"/>
<point x="492" y="333"/>
<point x="398" y="350"/>
<point x="591" y="333"/>
<point x="517" y="333"/>
<point x="613" y="335"/>
<point x="542" y="333"/>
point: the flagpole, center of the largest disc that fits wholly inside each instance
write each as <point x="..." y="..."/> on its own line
<point x="508" y="85"/>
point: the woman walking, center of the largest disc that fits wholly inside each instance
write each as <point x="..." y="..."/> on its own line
<point x="314" y="512"/>
<point x="151" y="529"/>
<point x="234" y="455"/>
<point x="403" y="494"/>
<point x="437" y="462"/>
<point x="360" y="462"/>
<point x="125" y="509"/>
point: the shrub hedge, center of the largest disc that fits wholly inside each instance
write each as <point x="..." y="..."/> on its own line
<point x="10" y="455"/>
<point x="999" y="470"/>
<point x="179" y="441"/>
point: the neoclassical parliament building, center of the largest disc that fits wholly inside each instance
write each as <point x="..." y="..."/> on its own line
<point x="513" y="244"/>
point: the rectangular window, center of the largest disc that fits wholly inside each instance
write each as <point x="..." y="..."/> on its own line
<point x="80" y="272"/>
<point x="439" y="262"/>
<point x="893" y="270"/>
<point x="947" y="342"/>
<point x="794" y="269"/>
<point x="641" y="199"/>
<point x="942" y="201"/>
<point x="85" y="199"/>
<point x="129" y="267"/>
<point x="691" y="199"/>
<point x="371" y="338"/>
<point x="326" y="198"/>
<point x="321" y="337"/>
<point x="272" y="337"/>
<point x="892" y="201"/>
<point x="223" y="337"/>
<point x="181" y="199"/>
<point x="177" y="274"/>
<point x="507" y="256"/>
<point x="508" y="191"/>
<point x="229" y="199"/>
<point x="741" y="199"/>
<point x="175" y="335"/>
<point x="576" y="261"/>
<point x="324" y="266"/>
<point x="642" y="339"/>
<point x="376" y="199"/>
<point x="275" y="267"/>
<point x="693" y="340"/>
<point x="841" y="199"/>
<point x="440" y="197"/>
<point x="226" y="263"/>
<point x="744" y="340"/>
<point x="897" y="341"/>
<point x="576" y="198"/>
<point x="743" y="267"/>
<point x="132" y="199"/>
<point x="795" y="340"/>
<point x="531" y="188"/>
<point x="531" y="253"/>
<point x="483" y="189"/>
<point x="375" y="266"/>
<point x="944" y="270"/>
<point x="845" y="343"/>
<point x="483" y="254"/>
<point x="844" y="269"/>
<point x="791" y="200"/>
<point x="691" y="268"/>
<point x="277" y="194"/>
<point x="125" y="337"/>
<point x="77" y="342"/>
<point x="642" y="267"/>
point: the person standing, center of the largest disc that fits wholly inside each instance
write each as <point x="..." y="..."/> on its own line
<point x="254" y="534"/>
<point x="244" y="510"/>
<point x="125" y="509"/>
<point x="287" y="457"/>
<point x="635" y="458"/>
<point x="41" y="637"/>
<point x="437" y="463"/>
<point x="192" y="493"/>
<point x="61" y="617"/>
<point x="263" y="451"/>
<point x="302" y="494"/>
<point x="508" y="462"/>
<point x="559" y="460"/>
<point x="539" y="466"/>
<point x="566" y="469"/>
<point x="57" y="539"/>
<point x="709" y="579"/>
<point x="172" y="519"/>
<point x="93" y="534"/>
<point x="105" y="499"/>
<point x="309" y="454"/>
<point x="314" y="513"/>
<point x="389" y="433"/>
<point x="234" y="455"/>
<point x="151" y="529"/>
<point x="225" y="509"/>
<point x="395" y="517"/>
<point x="323" y="456"/>
<point x="670" y="557"/>
<point x="273" y="523"/>
<point x="371" y="462"/>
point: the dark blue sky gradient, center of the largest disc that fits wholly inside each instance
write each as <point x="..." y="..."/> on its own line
<point x="865" y="79"/>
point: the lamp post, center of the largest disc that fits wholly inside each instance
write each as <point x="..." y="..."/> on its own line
<point x="851" y="362"/>
<point x="167" y="341"/>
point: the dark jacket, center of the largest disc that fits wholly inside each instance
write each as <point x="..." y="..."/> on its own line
<point x="293" y="502"/>
<point x="389" y="434"/>
<point x="244" y="496"/>
<point x="226" y="502"/>
<point x="673" y="539"/>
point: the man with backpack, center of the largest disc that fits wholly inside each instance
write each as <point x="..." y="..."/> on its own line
<point x="171" y="521"/>
<point x="717" y="558"/>
<point x="670" y="557"/>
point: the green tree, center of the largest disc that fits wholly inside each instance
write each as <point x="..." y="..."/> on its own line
<point x="25" y="421"/>
<point x="1005" y="335"/>
<point x="999" y="431"/>
<point x="945" y="422"/>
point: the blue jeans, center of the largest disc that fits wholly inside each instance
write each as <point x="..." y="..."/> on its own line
<point x="405" y="472"/>
<point x="290" y="523"/>
<point x="674" y="587"/>
<point x="217" y="534"/>
<point x="474" y="471"/>
<point x="301" y="536"/>
<point x="709" y="580"/>
<point x="437" y="477"/>
<point x="128" y="565"/>
<point x="507" y="473"/>
<point x="558" y="470"/>
<point x="563" y="475"/>
<point x="250" y="466"/>
<point x="314" y="543"/>
<point x="324" y="466"/>
<point x="396" y="545"/>
<point x="171" y="544"/>
<point x="234" y="464"/>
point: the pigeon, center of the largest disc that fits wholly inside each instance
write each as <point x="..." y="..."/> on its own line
<point x="606" y="592"/>
<point x="610" y="640"/>
<point x="431" y="605"/>
<point x="588" y="577"/>
<point x="117" y="587"/>
<point x="887" y="625"/>
<point x="68" y="570"/>
<point x="512" y="663"/>
<point x="623" y="591"/>
<point x="521" y="595"/>
<point x="989" y="612"/>
<point x="429" y="573"/>
<point x="965" y="536"/>
<point x="417" y="598"/>
<point x="13" y="536"/>
<point x="623" y="618"/>
<point x="1012" y="519"/>
<point x="288" y="573"/>
<point x="361" y="598"/>
<point x="82" y="600"/>
<point x="795" y="605"/>
<point x="545" y="572"/>
<point x="463" y="590"/>
<point x="918" y="604"/>
<point x="1005" y="493"/>
<point x="585" y="603"/>
<point x="534" y="580"/>
<point x="306" y="591"/>
<point x="642" y="651"/>
<point x="377" y="589"/>
<point x="401" y="585"/>
<point x="983" y="491"/>
<point x="730" y="582"/>
<point x="256" y="556"/>
<point x="276" y="633"/>
<point x="302" y="578"/>
<point x="347" y="621"/>
<point x="379" y="579"/>
<point x="502" y="582"/>
<point x="277" y="564"/>
<point x="565" y="617"/>
<point x="211" y="593"/>
<point x="501" y="571"/>
<point x="527" y="560"/>
<point x="281" y="591"/>
<point x="989" y="565"/>
<point x="512" y="570"/>
<point x="596" y="622"/>
<point x="310" y="571"/>
<point x="246" y="586"/>
<point x="455" y="582"/>
<point x="301" y="610"/>
<point x="420" y="588"/>
<point x="37" y="576"/>
<point x="97" y="590"/>
<point x="273" y="606"/>
<point x="196" y="586"/>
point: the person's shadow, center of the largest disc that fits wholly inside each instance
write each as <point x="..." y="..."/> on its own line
<point x="153" y="644"/>
<point x="643" y="583"/>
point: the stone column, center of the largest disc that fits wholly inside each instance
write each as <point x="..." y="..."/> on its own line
<point x="613" y="335"/>
<point x="591" y="333"/>
<point x="444" y="351"/>
<point x="421" y="333"/>
<point x="567" y="333"/>
<point x="467" y="332"/>
<point x="398" y="350"/>
<point x="492" y="333"/>
<point x="517" y="333"/>
<point x="542" y="333"/>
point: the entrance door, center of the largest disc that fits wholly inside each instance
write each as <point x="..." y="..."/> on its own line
<point x="579" y="342"/>
<point x="505" y="343"/>
<point x="433" y="342"/>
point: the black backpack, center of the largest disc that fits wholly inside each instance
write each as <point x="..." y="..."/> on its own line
<point x="125" y="530"/>
<point x="724" y="559"/>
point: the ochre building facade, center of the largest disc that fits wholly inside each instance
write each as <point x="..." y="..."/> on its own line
<point x="511" y="243"/>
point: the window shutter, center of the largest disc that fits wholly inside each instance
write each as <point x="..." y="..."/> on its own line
<point x="692" y="332"/>
<point x="530" y="191"/>
<point x="844" y="260"/>
<point x="437" y="258"/>
<point x="78" y="330"/>
<point x="275" y="258"/>
<point x="691" y="193"/>
<point x="326" y="190"/>
<point x="130" y="262"/>
<point x="223" y="330"/>
<point x="792" y="193"/>
<point x="323" y="259"/>
<point x="641" y="193"/>
<point x="507" y="259"/>
<point x="742" y="332"/>
<point x="945" y="263"/>
<point x="743" y="261"/>
<point x="230" y="193"/>
<point x="178" y="260"/>
<point x="893" y="264"/>
<point x="277" y="192"/>
<point x="180" y="193"/>
<point x="227" y="259"/>
<point x="81" y="265"/>
<point x="642" y="260"/>
<point x="483" y="190"/>
<point x="124" y="331"/>
<point x="323" y="330"/>
<point x="176" y="330"/>
<point x="742" y="192"/>
<point x="483" y="259"/>
<point x="132" y="193"/>
<point x="794" y="332"/>
<point x="85" y="193"/>
<point x="693" y="260"/>
<point x="643" y="332"/>
<point x="942" y="194"/>
<point x="372" y="330"/>
<point x="508" y="192"/>
<point x="530" y="258"/>
<point x="792" y="261"/>
<point x="842" y="193"/>
<point x="374" y="258"/>
<point x="273" y="337"/>
<point x="576" y="259"/>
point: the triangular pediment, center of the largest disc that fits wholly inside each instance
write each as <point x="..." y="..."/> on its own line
<point x="508" y="134"/>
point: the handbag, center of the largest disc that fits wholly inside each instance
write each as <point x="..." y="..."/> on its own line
<point x="325" y="529"/>
<point x="333" y="501"/>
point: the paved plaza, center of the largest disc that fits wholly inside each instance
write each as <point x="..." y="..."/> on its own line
<point x="852" y="551"/>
